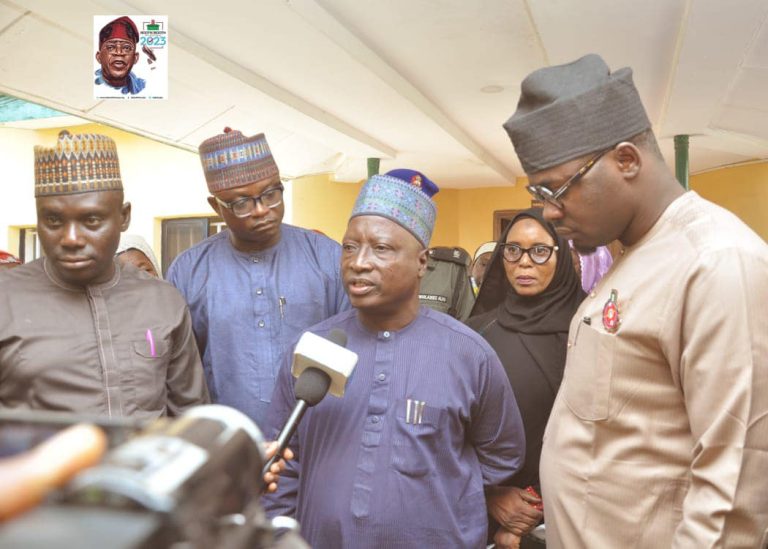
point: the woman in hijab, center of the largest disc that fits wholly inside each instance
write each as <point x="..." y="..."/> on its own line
<point x="530" y="293"/>
<point x="134" y="250"/>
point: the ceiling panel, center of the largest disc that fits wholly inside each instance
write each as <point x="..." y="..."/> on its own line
<point x="450" y="60"/>
<point x="281" y="46"/>
<point x="54" y="69"/>
<point x="173" y="118"/>
<point x="748" y="122"/>
<point x="715" y="42"/>
<point x="750" y="90"/>
<point x="641" y="35"/>
<point x="757" y="57"/>
<point x="9" y="13"/>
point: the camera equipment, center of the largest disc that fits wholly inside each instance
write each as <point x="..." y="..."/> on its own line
<point x="190" y="482"/>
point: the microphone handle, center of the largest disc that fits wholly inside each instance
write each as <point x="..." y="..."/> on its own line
<point x="285" y="435"/>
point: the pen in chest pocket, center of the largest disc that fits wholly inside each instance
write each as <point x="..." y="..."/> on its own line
<point x="414" y="411"/>
<point x="281" y="302"/>
<point x="584" y="321"/>
<point x="151" y="341"/>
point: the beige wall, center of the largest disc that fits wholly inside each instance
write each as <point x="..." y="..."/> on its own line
<point x="740" y="189"/>
<point x="17" y="207"/>
<point x="478" y="205"/>
<point x="322" y="204"/>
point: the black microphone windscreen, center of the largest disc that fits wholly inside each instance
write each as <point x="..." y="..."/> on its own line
<point x="312" y="385"/>
<point x="338" y="336"/>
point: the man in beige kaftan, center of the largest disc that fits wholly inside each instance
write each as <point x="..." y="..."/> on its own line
<point x="659" y="434"/>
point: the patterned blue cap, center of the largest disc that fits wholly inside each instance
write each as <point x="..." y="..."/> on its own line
<point x="398" y="201"/>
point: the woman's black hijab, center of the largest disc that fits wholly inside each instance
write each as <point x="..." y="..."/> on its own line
<point x="535" y="318"/>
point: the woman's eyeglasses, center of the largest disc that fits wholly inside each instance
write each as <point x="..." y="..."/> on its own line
<point x="539" y="254"/>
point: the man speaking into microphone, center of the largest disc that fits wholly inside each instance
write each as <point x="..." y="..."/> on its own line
<point x="428" y="420"/>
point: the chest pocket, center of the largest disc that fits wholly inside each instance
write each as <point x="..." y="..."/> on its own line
<point x="294" y="318"/>
<point x="588" y="373"/>
<point x="298" y="316"/>
<point x="416" y="436"/>
<point x="148" y="373"/>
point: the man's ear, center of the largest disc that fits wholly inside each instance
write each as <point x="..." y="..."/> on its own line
<point x="125" y="213"/>
<point x="135" y="58"/>
<point x="215" y="205"/>
<point x="98" y="56"/>
<point x="629" y="159"/>
<point x="423" y="259"/>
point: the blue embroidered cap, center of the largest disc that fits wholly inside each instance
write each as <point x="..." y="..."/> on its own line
<point x="399" y="201"/>
<point x="417" y="179"/>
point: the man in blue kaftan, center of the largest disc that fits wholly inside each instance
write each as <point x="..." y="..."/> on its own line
<point x="428" y="420"/>
<point x="253" y="288"/>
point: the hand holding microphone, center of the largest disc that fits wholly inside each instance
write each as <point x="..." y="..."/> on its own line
<point x="272" y="476"/>
<point x="320" y="365"/>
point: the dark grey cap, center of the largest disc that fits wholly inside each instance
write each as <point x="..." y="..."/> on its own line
<point x="568" y="111"/>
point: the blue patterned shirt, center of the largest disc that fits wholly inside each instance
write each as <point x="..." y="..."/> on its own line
<point x="377" y="468"/>
<point x="133" y="84"/>
<point x="247" y="308"/>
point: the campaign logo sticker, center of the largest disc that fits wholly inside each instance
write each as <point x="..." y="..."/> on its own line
<point x="130" y="57"/>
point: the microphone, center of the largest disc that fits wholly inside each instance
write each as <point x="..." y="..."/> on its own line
<point x="320" y="365"/>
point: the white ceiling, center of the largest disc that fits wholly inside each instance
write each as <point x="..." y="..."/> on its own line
<point x="332" y="82"/>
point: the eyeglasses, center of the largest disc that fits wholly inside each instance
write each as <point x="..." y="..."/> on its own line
<point x="539" y="254"/>
<point x="243" y="207"/>
<point x="545" y="194"/>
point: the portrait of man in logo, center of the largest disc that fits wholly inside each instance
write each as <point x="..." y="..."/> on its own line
<point x="117" y="54"/>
